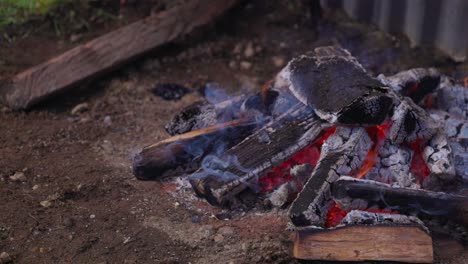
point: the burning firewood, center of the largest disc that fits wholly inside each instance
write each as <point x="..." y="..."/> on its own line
<point x="337" y="140"/>
<point x="185" y="150"/>
<point x="351" y="193"/>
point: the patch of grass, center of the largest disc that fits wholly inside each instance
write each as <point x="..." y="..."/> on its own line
<point x="20" y="11"/>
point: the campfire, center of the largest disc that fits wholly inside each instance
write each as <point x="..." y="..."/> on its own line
<point x="369" y="167"/>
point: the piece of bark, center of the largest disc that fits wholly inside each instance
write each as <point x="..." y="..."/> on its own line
<point x="406" y="243"/>
<point x="108" y="52"/>
<point x="185" y="151"/>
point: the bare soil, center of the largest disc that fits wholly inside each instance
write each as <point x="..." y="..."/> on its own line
<point x="80" y="164"/>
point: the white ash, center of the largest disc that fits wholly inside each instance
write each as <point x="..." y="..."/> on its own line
<point x="279" y="197"/>
<point x="438" y="156"/>
<point x="452" y="99"/>
<point x="407" y="114"/>
<point x="358" y="217"/>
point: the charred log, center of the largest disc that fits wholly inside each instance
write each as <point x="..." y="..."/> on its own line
<point x="351" y="193"/>
<point x="185" y="151"/>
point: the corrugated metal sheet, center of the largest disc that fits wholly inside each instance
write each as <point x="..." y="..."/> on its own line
<point x="439" y="23"/>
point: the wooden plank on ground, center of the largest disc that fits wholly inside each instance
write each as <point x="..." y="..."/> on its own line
<point x="359" y="243"/>
<point x="108" y="52"/>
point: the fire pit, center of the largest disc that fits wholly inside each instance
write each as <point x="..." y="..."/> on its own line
<point x="369" y="167"/>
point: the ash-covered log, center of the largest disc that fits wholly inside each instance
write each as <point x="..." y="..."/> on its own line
<point x="342" y="153"/>
<point x="351" y="193"/>
<point x="414" y="83"/>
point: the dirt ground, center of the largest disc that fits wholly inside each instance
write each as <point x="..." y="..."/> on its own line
<point x="79" y="202"/>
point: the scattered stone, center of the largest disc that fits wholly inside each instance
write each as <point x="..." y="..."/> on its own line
<point x="237" y="49"/>
<point x="5" y="258"/>
<point x="195" y="219"/>
<point x="92" y="216"/>
<point x="218" y="238"/>
<point x="80" y="108"/>
<point x="35" y="187"/>
<point x="68" y="222"/>
<point x="233" y="64"/>
<point x="278" y="61"/>
<point x="206" y="231"/>
<point x="18" y="177"/>
<point x="245" y="65"/>
<point x="226" y="231"/>
<point x="75" y="38"/>
<point x="170" y="91"/>
<point x="223" y="216"/>
<point x="107" y="120"/>
<point x="249" y="50"/>
<point x="46" y="203"/>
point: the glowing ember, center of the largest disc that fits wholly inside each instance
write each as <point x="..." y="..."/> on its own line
<point x="412" y="89"/>
<point x="308" y="155"/>
<point x="335" y="214"/>
<point x="377" y="134"/>
<point x="418" y="166"/>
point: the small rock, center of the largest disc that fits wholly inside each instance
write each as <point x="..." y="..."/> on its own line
<point x="5" y="258"/>
<point x="170" y="91"/>
<point x="223" y="216"/>
<point x="249" y="50"/>
<point x="245" y="65"/>
<point x="237" y="49"/>
<point x="218" y="238"/>
<point x="278" y="61"/>
<point x="68" y="222"/>
<point x="79" y="108"/>
<point x="75" y="38"/>
<point x="18" y="177"/>
<point x="206" y="231"/>
<point x="107" y="121"/>
<point x="195" y="219"/>
<point x="233" y="64"/>
<point x="92" y="216"/>
<point x="35" y="187"/>
<point x="46" y="203"/>
<point x="226" y="231"/>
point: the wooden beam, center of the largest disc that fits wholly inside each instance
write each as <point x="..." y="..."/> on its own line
<point x="108" y="52"/>
<point x="359" y="243"/>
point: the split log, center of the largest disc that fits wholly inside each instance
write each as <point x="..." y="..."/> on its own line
<point x="405" y="243"/>
<point x="108" y="52"/>
<point x="342" y="153"/>
<point x="185" y="151"/>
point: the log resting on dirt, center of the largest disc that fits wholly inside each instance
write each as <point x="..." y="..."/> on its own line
<point x="185" y="151"/>
<point x="383" y="238"/>
<point x="108" y="52"/>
